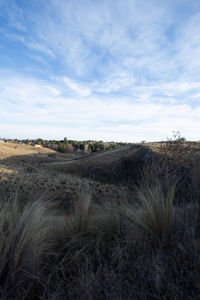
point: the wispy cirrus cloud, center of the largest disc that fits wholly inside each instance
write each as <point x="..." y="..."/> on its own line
<point x="124" y="70"/>
<point x="76" y="87"/>
<point x="33" y="106"/>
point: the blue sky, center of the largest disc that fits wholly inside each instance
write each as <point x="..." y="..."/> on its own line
<point x="101" y="69"/>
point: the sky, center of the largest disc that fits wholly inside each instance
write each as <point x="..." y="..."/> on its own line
<point x="111" y="70"/>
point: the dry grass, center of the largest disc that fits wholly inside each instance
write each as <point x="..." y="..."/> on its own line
<point x="153" y="212"/>
<point x="33" y="171"/>
<point x="23" y="238"/>
<point x="101" y="166"/>
<point x="76" y="221"/>
<point x="105" y="245"/>
<point x="97" y="251"/>
<point x="11" y="149"/>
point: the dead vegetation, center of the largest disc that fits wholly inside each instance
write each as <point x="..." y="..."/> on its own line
<point x="97" y="251"/>
<point x="9" y="149"/>
<point x="67" y="237"/>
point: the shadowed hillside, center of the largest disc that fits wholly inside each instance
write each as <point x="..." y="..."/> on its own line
<point x="120" y="224"/>
<point x="28" y="166"/>
<point x="115" y="166"/>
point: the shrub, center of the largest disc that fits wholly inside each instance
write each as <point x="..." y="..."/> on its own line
<point x="175" y="148"/>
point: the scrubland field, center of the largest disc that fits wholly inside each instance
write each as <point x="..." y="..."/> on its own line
<point x="119" y="224"/>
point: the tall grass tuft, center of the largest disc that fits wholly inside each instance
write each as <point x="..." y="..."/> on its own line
<point x="23" y="239"/>
<point x="107" y="221"/>
<point x="74" y="223"/>
<point x="69" y="231"/>
<point x="153" y="212"/>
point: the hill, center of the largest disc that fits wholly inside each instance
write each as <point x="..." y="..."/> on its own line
<point x="120" y="165"/>
<point x="78" y="227"/>
<point x="43" y="170"/>
<point x="9" y="149"/>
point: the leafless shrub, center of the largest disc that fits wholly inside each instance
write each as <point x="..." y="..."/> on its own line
<point x="175" y="149"/>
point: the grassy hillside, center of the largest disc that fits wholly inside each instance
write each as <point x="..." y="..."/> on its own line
<point x="36" y="170"/>
<point x="121" y="224"/>
<point x="107" y="166"/>
<point x="9" y="149"/>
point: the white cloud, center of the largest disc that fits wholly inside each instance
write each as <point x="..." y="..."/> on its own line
<point x="30" y="107"/>
<point x="79" y="89"/>
<point x="119" y="70"/>
<point x="41" y="48"/>
<point x="115" y="83"/>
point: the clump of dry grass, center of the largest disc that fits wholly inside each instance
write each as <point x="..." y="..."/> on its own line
<point x="76" y="221"/>
<point x="69" y="234"/>
<point x="107" y="222"/>
<point x="153" y="211"/>
<point x="102" y="248"/>
<point x="23" y="239"/>
<point x="87" y="228"/>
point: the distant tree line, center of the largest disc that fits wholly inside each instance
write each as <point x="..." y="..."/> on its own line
<point x="70" y="146"/>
